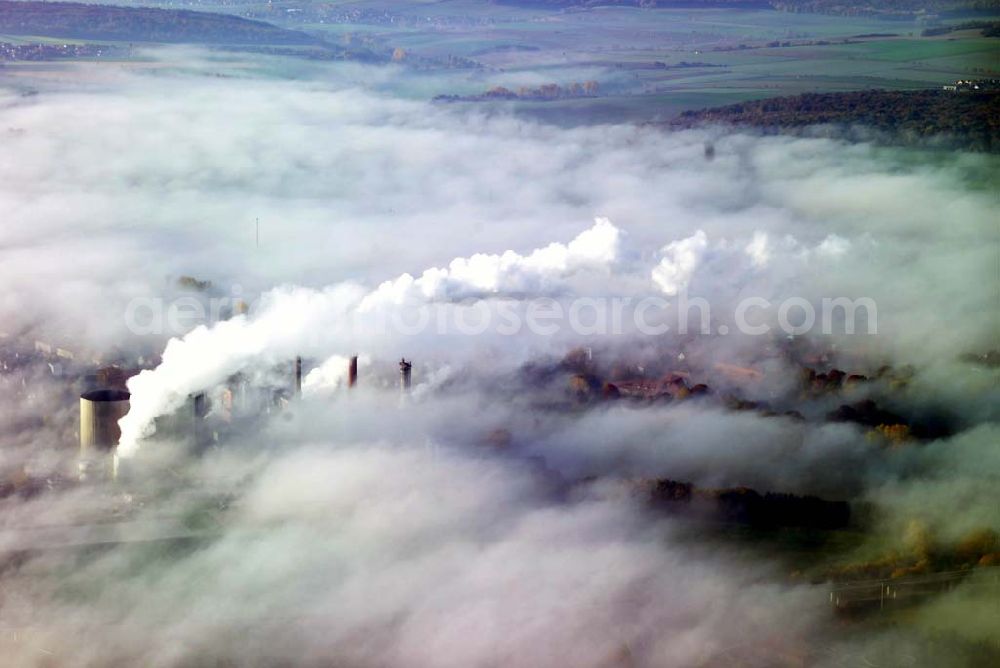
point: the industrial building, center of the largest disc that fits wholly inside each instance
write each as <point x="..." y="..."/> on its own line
<point x="100" y="411"/>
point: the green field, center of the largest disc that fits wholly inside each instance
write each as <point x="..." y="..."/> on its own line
<point x="642" y="59"/>
<point x="618" y="47"/>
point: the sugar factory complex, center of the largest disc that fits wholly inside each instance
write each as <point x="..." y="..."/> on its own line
<point x="93" y="396"/>
<point x="577" y="382"/>
<point x="101" y="386"/>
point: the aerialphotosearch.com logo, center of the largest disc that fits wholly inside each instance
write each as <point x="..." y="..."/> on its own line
<point x="612" y="316"/>
<point x="541" y="316"/>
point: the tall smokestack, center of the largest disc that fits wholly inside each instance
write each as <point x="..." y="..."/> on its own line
<point x="199" y="403"/>
<point x="199" y="409"/>
<point x="298" y="376"/>
<point x="404" y="374"/>
<point x="352" y="372"/>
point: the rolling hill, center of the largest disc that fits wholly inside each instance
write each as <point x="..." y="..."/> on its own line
<point x="141" y="24"/>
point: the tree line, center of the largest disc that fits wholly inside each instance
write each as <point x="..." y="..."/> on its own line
<point x="964" y="120"/>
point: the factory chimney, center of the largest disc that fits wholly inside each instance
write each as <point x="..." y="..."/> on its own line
<point x="352" y="372"/>
<point x="199" y="406"/>
<point x="199" y="403"/>
<point x="298" y="376"/>
<point x="404" y="374"/>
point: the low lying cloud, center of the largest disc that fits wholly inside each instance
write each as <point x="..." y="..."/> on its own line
<point x="474" y="522"/>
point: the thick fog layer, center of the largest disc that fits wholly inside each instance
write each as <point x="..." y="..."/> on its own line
<point x="475" y="521"/>
<point x="114" y="189"/>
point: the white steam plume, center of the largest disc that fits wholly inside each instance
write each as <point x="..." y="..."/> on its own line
<point x="289" y="319"/>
